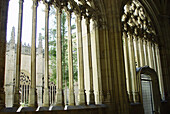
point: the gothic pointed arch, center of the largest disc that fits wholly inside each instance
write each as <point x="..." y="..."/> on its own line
<point x="151" y="8"/>
<point x="155" y="85"/>
<point x="141" y="46"/>
<point x="25" y="82"/>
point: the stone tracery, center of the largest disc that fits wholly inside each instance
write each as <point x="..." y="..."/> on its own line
<point x="112" y="71"/>
<point x="83" y="10"/>
<point x="25" y="83"/>
<point x="141" y="47"/>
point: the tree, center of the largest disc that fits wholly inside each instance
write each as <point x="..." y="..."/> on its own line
<point x="52" y="49"/>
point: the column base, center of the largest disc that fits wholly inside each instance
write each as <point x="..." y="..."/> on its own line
<point x="46" y="98"/>
<point x="97" y="98"/>
<point x="16" y="99"/>
<point x="81" y="97"/>
<point x="91" y="96"/>
<point x="100" y="97"/>
<point x="108" y="98"/>
<point x="39" y="96"/>
<point x="59" y="98"/>
<point x="9" y="109"/>
<point x="163" y="97"/>
<point x="32" y="98"/>
<point x="136" y="97"/>
<point x="9" y="96"/>
<point x="130" y="96"/>
<point x="71" y="98"/>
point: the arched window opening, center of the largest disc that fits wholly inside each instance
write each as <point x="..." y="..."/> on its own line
<point x="61" y="56"/>
<point x="24" y="88"/>
<point x="148" y="88"/>
<point x="141" y="47"/>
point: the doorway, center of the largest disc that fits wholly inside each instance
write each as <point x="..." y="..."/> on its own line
<point x="147" y="94"/>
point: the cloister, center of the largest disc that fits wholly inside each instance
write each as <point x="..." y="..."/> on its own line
<point x="122" y="59"/>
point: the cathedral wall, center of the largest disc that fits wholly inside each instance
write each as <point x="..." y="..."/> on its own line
<point x="112" y="67"/>
<point x="161" y="21"/>
<point x="111" y="46"/>
<point x="26" y="63"/>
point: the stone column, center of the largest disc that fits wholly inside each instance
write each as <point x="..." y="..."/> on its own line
<point x="18" y="56"/>
<point x="32" y="92"/>
<point x="127" y="66"/>
<point x="137" y="64"/>
<point x="141" y="52"/>
<point x="145" y="52"/>
<point x="107" y="62"/>
<point x="81" y="91"/>
<point x="89" y="54"/>
<point x="158" y="60"/>
<point x="24" y="101"/>
<point x="98" y="61"/>
<point x="46" y="84"/>
<point x="70" y="62"/>
<point x="132" y="67"/>
<point x="154" y="57"/>
<point x="59" y="98"/>
<point x="150" y="55"/>
<point x="3" y="28"/>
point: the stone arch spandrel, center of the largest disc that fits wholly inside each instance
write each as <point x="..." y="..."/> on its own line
<point x="155" y="86"/>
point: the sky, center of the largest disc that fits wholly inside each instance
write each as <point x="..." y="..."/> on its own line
<point x="27" y="20"/>
<point x="13" y="11"/>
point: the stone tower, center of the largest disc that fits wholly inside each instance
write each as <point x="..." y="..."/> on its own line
<point x="40" y="70"/>
<point x="25" y="67"/>
<point x="12" y="40"/>
<point x="10" y="69"/>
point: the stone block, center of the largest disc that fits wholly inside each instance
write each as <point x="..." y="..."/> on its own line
<point x="9" y="109"/>
<point x="28" y="109"/>
<point x="57" y="108"/>
<point x="43" y="109"/>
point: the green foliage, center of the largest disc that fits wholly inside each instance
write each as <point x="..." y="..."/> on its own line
<point x="53" y="54"/>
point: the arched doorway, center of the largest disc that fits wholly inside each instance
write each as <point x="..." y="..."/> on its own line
<point x="147" y="94"/>
<point x="140" y="45"/>
<point x="148" y="87"/>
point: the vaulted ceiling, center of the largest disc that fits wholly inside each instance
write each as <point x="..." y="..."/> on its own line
<point x="102" y="9"/>
<point x="161" y="5"/>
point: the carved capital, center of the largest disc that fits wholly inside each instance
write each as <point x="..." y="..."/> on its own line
<point x="87" y="20"/>
<point x="35" y="3"/>
<point x="21" y="1"/>
<point x="125" y="34"/>
<point x="47" y="7"/>
<point x="78" y="17"/>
